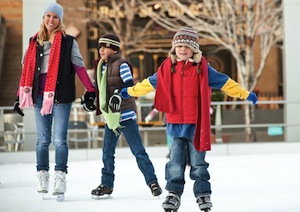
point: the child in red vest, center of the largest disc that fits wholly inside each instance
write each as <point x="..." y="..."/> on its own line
<point x="183" y="85"/>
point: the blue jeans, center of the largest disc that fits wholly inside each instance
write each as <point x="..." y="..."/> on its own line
<point x="59" y="118"/>
<point x="133" y="138"/>
<point x="175" y="168"/>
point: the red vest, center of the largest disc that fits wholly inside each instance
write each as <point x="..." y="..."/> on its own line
<point x="185" y="98"/>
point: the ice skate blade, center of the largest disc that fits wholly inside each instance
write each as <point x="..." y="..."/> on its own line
<point x="171" y="210"/>
<point x="205" y="207"/>
<point x="42" y="193"/>
<point x="60" y="197"/>
<point x="97" y="197"/>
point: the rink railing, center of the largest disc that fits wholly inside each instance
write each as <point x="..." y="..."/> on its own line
<point x="77" y="113"/>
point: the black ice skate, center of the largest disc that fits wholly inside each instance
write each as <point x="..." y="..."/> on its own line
<point x="101" y="192"/>
<point x="172" y="203"/>
<point x="204" y="203"/>
<point x="155" y="189"/>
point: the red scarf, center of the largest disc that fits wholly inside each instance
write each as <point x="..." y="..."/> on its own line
<point x="26" y="82"/>
<point x="163" y="101"/>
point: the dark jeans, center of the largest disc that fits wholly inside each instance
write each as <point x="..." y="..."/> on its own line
<point x="133" y="138"/>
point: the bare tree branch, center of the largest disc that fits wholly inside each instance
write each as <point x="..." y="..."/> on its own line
<point x="237" y="25"/>
<point x="120" y="17"/>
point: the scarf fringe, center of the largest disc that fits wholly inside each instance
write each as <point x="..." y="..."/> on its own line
<point x="25" y="97"/>
<point x="47" y="103"/>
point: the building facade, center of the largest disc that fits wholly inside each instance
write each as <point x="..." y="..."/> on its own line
<point x="87" y="30"/>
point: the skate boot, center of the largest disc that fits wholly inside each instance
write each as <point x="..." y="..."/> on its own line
<point x="172" y="203"/>
<point x="59" y="185"/>
<point x="155" y="189"/>
<point x="204" y="203"/>
<point x="43" y="177"/>
<point x="101" y="192"/>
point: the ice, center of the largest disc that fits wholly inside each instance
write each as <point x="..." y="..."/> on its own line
<point x="240" y="183"/>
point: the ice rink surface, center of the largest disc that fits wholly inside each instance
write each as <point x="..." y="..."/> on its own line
<point x="240" y="183"/>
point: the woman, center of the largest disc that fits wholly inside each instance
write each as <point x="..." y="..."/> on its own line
<point x="48" y="84"/>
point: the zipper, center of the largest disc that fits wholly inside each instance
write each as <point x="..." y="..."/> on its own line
<point x="181" y="93"/>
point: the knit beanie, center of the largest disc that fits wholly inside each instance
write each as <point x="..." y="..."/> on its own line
<point x="55" y="8"/>
<point x="110" y="41"/>
<point x="186" y="37"/>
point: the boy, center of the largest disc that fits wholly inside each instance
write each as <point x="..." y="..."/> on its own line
<point x="112" y="73"/>
<point x="183" y="85"/>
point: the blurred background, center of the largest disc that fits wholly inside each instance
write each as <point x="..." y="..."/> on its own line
<point x="254" y="42"/>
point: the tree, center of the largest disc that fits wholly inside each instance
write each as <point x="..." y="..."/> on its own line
<point x="236" y="25"/>
<point x="128" y="20"/>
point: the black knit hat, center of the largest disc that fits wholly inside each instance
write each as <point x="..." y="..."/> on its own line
<point x="110" y="41"/>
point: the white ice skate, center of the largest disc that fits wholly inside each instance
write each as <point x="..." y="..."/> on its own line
<point x="59" y="185"/>
<point x="43" y="186"/>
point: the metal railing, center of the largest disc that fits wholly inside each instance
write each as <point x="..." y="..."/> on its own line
<point x="218" y="126"/>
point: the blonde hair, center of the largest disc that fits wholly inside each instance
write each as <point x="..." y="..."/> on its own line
<point x="43" y="33"/>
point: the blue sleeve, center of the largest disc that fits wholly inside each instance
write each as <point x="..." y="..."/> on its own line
<point x="216" y="80"/>
<point x="153" y="80"/>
